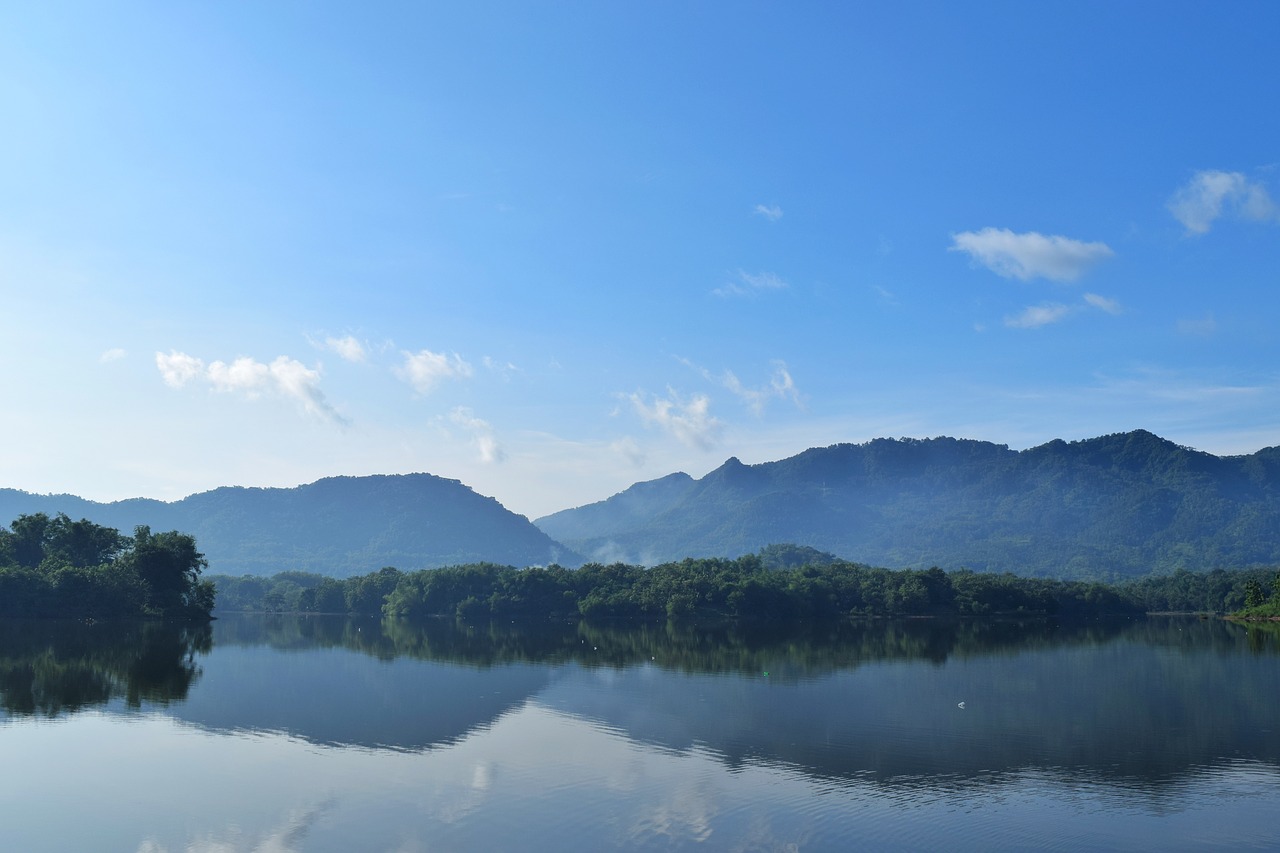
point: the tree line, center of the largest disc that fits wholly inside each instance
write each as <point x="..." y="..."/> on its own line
<point x="56" y="567"/>
<point x="782" y="582"/>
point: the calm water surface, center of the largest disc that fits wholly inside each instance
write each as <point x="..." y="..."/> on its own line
<point x="327" y="734"/>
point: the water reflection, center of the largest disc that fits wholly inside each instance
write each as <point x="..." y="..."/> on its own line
<point x="1144" y="703"/>
<point x="330" y="734"/>
<point x="52" y="668"/>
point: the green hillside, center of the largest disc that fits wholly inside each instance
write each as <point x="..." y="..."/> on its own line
<point x="1117" y="506"/>
<point x="340" y="526"/>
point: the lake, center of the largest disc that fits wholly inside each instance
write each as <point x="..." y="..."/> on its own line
<point x="331" y="734"/>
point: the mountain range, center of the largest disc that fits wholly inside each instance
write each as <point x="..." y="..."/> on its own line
<point x="1116" y="506"/>
<point x="339" y="526"/>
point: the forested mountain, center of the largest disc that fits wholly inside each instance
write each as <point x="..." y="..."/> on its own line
<point x="339" y="526"/>
<point x="1111" y="507"/>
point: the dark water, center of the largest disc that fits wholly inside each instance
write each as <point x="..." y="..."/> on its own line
<point x="325" y="734"/>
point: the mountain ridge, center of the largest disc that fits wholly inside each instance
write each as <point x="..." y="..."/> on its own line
<point x="1117" y="505"/>
<point x="338" y="526"/>
<point x="1114" y="506"/>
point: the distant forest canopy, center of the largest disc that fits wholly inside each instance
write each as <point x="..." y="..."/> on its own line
<point x="56" y="567"/>
<point x="780" y="582"/>
<point x="1109" y="508"/>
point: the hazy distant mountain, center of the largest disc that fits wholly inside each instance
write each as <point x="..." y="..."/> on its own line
<point x="338" y="526"/>
<point x="1119" y="505"/>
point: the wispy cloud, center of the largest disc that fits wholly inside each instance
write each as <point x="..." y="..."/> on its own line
<point x="1212" y="194"/>
<point x="284" y="377"/>
<point x="482" y="437"/>
<point x="424" y="370"/>
<point x="1103" y="303"/>
<point x="780" y="386"/>
<point x="1035" y="316"/>
<point x="887" y="297"/>
<point x="348" y="348"/>
<point x="748" y="284"/>
<point x="1030" y="255"/>
<point x="504" y="370"/>
<point x="770" y="212"/>
<point x="113" y="354"/>
<point x="689" y="421"/>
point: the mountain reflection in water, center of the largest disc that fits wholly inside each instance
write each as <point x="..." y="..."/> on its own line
<point x="1136" y="702"/>
<point x="319" y="734"/>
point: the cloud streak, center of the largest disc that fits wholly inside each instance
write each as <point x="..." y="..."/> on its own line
<point x="770" y="212"/>
<point x="348" y="348"/>
<point x="779" y="387"/>
<point x="1035" y="316"/>
<point x="689" y="421"/>
<point x="1211" y="194"/>
<point x="424" y="370"/>
<point x="482" y="437"/>
<point x="1030" y="255"/>
<point x="750" y="285"/>
<point x="284" y="377"/>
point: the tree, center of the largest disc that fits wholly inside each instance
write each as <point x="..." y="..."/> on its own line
<point x="81" y="543"/>
<point x="170" y="565"/>
<point x="27" y="540"/>
<point x="1253" y="596"/>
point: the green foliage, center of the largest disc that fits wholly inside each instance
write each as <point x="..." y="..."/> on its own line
<point x="1257" y="605"/>
<point x="742" y="588"/>
<point x="56" y="567"/>
<point x="750" y="587"/>
<point x="1253" y="595"/>
<point x="1116" y="507"/>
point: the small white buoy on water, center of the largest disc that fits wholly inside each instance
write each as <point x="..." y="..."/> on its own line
<point x="961" y="706"/>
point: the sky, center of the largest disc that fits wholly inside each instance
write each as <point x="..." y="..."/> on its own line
<point x="553" y="249"/>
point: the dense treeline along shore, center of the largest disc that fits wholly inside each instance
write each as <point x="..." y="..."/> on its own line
<point x="53" y="567"/>
<point x="780" y="582"/>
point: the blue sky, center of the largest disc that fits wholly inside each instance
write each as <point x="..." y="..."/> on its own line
<point x="553" y="249"/>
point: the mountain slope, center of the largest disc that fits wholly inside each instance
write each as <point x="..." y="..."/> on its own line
<point x="338" y="526"/>
<point x="1115" y="506"/>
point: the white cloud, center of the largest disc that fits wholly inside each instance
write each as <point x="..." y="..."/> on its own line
<point x="770" y="212"/>
<point x="748" y="284"/>
<point x="348" y="348"/>
<point x="1102" y="303"/>
<point x="1211" y="194"/>
<point x="1036" y="316"/>
<point x="113" y="354"/>
<point x="178" y="368"/>
<point x="1030" y="255"/>
<point x="691" y="421"/>
<point x="424" y="370"/>
<point x="243" y="374"/>
<point x="284" y="377"/>
<point x="482" y="437"/>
